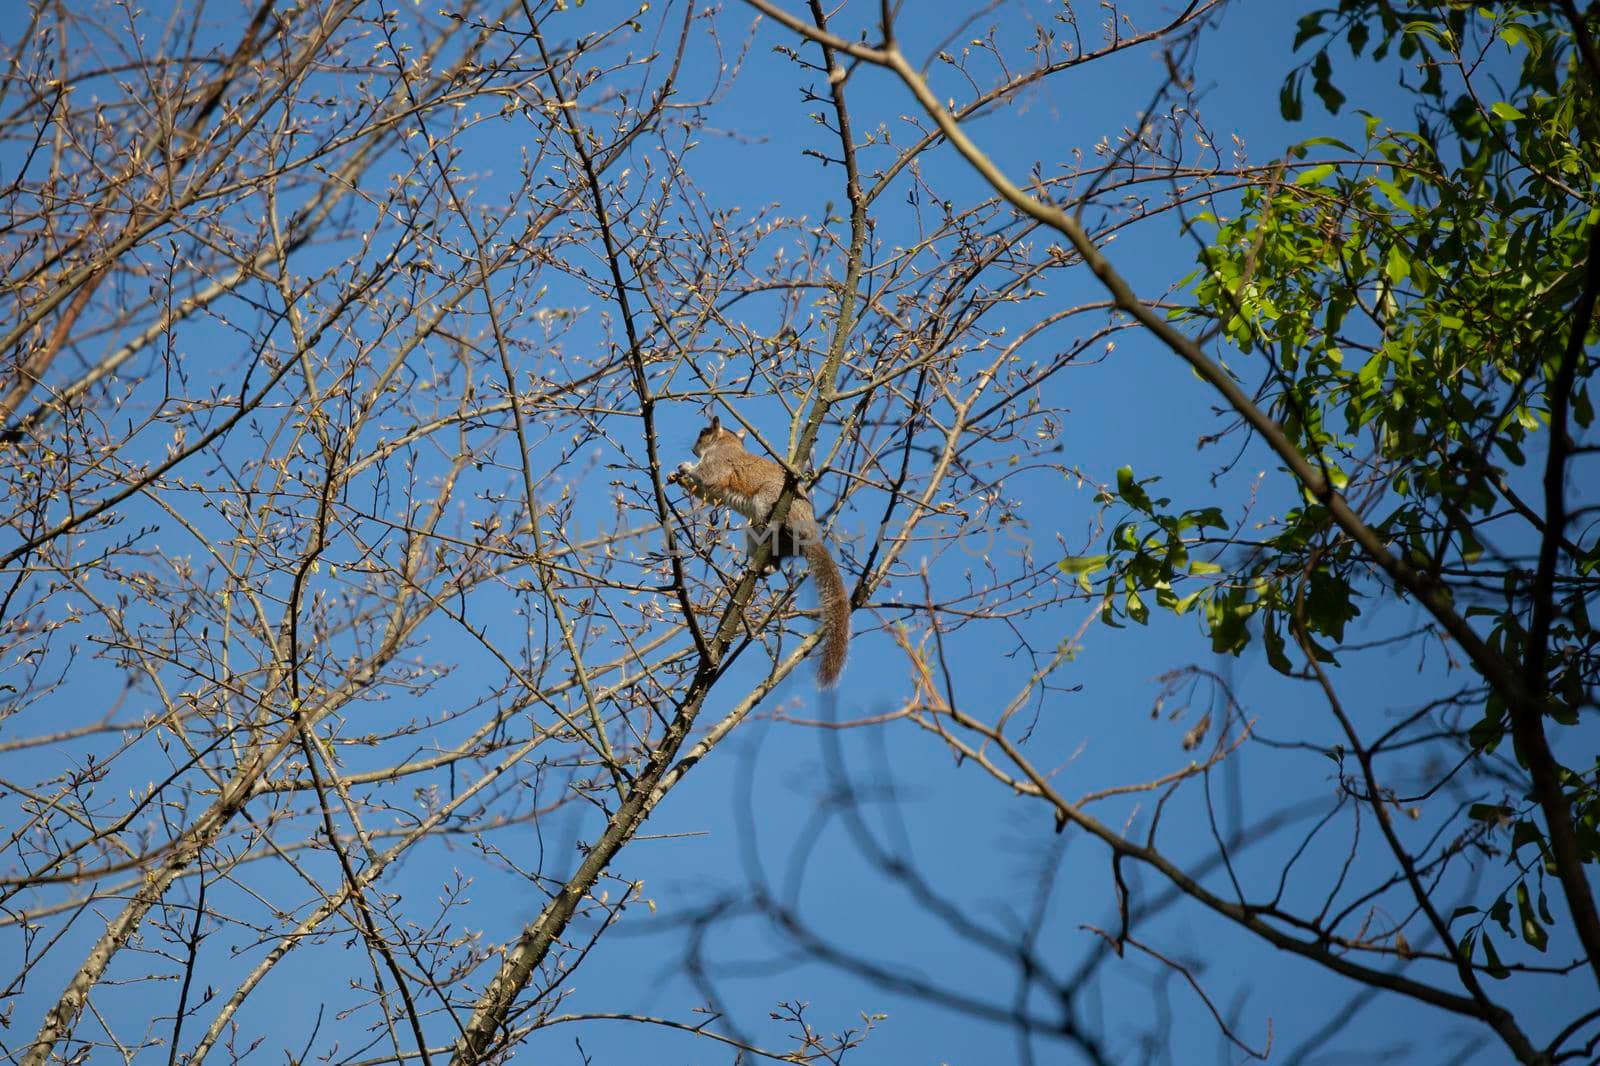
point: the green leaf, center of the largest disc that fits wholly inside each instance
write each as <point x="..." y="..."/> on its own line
<point x="1136" y="608"/>
<point x="1582" y="409"/>
<point x="1330" y="603"/>
<point x="1130" y="490"/>
<point x="1515" y="33"/>
<point x="1331" y="142"/>
<point x="1108" y="614"/>
<point x="1272" y="640"/>
<point x="1506" y="111"/>
<point x="1372" y="370"/>
<point x="1486" y="733"/>
<point x="1524" y="834"/>
<point x="1392" y="193"/>
<point x="1225" y="620"/>
<point x="1082" y="567"/>
<point x="1290" y="105"/>
<point x="1496" y="969"/>
<point x="1315" y="174"/>
<point x="1489" y="812"/>
<point x="1331" y="97"/>
<point x="1308" y="27"/>
<point x="1532" y="932"/>
<point x="1082" y="564"/>
<point x="1357" y="37"/>
<point x="1397" y="265"/>
<point x="1322" y="83"/>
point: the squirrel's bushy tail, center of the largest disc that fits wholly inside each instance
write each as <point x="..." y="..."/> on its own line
<point x="835" y="604"/>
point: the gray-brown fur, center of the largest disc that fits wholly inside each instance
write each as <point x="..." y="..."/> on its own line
<point x="727" y="473"/>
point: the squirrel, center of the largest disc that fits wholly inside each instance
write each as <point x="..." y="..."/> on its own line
<point x="727" y="473"/>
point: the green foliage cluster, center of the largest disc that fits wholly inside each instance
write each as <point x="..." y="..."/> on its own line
<point x="1405" y="309"/>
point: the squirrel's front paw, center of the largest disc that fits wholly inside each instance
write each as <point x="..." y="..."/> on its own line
<point x="683" y="471"/>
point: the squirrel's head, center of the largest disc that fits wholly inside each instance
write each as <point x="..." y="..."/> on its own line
<point x="714" y="434"/>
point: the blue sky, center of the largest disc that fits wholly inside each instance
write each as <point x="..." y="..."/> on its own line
<point x="763" y="808"/>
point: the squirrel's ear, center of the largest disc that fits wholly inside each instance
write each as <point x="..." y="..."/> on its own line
<point x="716" y="423"/>
<point x="739" y="433"/>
